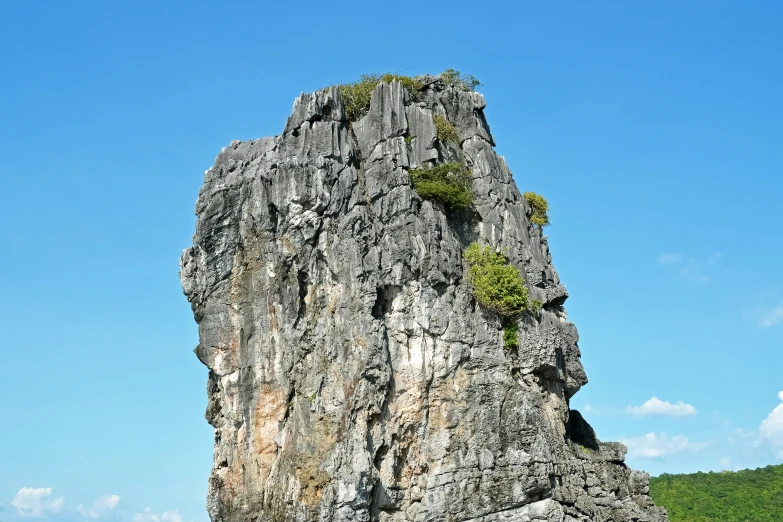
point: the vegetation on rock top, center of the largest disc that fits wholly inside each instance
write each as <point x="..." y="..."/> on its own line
<point x="464" y="82"/>
<point x="449" y="183"/>
<point x="357" y="96"/>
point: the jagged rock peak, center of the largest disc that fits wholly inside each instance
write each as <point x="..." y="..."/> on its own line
<point x="353" y="376"/>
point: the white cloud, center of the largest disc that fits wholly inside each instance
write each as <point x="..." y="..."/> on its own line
<point x="34" y="502"/>
<point x="108" y="502"/>
<point x="692" y="271"/>
<point x="100" y="507"/>
<point x="652" y="445"/>
<point x="771" y="429"/>
<point x="772" y="317"/>
<point x="39" y="503"/>
<point x="670" y="259"/>
<point x="688" y="268"/>
<point x="149" y="516"/>
<point x="656" y="406"/>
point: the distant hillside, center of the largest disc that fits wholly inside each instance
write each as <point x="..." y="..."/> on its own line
<point x="743" y="496"/>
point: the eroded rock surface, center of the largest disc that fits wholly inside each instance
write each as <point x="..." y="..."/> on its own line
<point x="353" y="377"/>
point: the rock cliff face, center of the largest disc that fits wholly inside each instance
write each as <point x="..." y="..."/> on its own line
<point x="353" y="377"/>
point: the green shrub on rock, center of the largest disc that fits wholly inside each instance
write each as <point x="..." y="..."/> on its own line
<point x="445" y="129"/>
<point x="357" y="96"/>
<point x="464" y="82"/>
<point x="535" y="307"/>
<point x="540" y="209"/>
<point x="510" y="338"/>
<point x="413" y="85"/>
<point x="449" y="183"/>
<point x="497" y="285"/>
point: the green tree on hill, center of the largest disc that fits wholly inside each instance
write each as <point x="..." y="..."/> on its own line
<point x="742" y="496"/>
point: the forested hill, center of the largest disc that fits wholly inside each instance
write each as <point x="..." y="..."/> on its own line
<point x="751" y="495"/>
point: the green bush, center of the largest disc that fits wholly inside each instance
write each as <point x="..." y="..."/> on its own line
<point x="449" y="183"/>
<point x="463" y="82"/>
<point x="535" y="307"/>
<point x="510" y="338"/>
<point x="497" y="285"/>
<point x="357" y="96"/>
<point x="446" y="131"/>
<point x="540" y="209"/>
<point x="413" y="85"/>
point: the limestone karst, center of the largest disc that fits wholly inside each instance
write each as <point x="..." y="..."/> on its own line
<point x="352" y="374"/>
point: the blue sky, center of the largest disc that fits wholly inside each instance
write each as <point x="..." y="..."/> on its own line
<point x="653" y="129"/>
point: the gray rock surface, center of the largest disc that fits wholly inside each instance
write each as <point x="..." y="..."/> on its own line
<point x="353" y="377"/>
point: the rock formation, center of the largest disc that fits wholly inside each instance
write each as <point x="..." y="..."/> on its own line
<point x="353" y="376"/>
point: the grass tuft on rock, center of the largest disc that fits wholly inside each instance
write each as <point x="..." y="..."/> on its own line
<point x="449" y="183"/>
